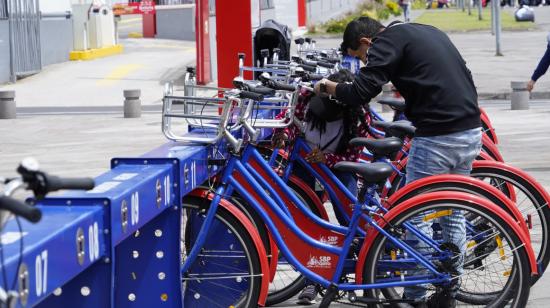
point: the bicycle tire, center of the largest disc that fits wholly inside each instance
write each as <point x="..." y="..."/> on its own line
<point x="516" y="289"/>
<point x="235" y="253"/>
<point x="525" y="188"/>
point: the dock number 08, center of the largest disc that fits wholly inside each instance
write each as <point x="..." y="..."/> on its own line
<point x="41" y="273"/>
<point x="93" y="242"/>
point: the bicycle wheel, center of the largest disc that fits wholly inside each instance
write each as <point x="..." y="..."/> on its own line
<point x="531" y="202"/>
<point x="288" y="281"/>
<point x="227" y="271"/>
<point x="495" y="264"/>
<point x="489" y="147"/>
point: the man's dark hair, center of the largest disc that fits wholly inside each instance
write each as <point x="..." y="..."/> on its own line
<point x="359" y="28"/>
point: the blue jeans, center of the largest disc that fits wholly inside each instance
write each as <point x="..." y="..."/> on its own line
<point x="453" y="153"/>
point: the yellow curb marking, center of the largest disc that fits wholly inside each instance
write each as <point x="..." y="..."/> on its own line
<point x="119" y="73"/>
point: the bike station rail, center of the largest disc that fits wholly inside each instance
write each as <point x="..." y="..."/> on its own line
<point x="117" y="245"/>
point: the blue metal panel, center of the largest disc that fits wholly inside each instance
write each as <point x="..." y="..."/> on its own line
<point x="147" y="265"/>
<point x="134" y="193"/>
<point x="50" y="255"/>
<point x="90" y="289"/>
<point x="193" y="169"/>
<point x="115" y="267"/>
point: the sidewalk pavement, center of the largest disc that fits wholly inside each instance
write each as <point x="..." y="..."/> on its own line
<point x="145" y="64"/>
<point x="492" y="74"/>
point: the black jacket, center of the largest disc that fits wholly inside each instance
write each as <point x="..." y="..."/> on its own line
<point x="429" y="72"/>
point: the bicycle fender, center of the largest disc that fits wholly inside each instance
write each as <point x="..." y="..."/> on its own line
<point x="503" y="200"/>
<point x="490" y="145"/>
<point x="498" y="165"/>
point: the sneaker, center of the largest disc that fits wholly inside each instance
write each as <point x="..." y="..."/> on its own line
<point x="442" y="298"/>
<point x="419" y="303"/>
<point x="308" y="295"/>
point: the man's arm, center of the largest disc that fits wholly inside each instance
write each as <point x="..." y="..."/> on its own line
<point x="384" y="55"/>
<point x="542" y="67"/>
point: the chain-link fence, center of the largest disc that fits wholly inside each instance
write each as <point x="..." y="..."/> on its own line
<point x="24" y="18"/>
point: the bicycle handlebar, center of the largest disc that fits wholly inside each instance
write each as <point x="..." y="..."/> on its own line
<point x="252" y="95"/>
<point x="280" y="86"/>
<point x="311" y="77"/>
<point x="308" y="68"/>
<point x="20" y="208"/>
<point x="54" y="183"/>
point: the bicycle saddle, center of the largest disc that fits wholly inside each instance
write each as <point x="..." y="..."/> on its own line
<point x="372" y="173"/>
<point x="395" y="103"/>
<point x="398" y="129"/>
<point x="379" y="147"/>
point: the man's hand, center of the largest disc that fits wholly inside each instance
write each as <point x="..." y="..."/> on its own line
<point x="279" y="140"/>
<point x="316" y="156"/>
<point x="530" y="85"/>
<point x="317" y="87"/>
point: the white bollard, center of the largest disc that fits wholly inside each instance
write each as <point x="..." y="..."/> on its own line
<point x="7" y="105"/>
<point x="520" y="95"/>
<point x="132" y="104"/>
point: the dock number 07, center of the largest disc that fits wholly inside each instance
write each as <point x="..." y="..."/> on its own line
<point x="41" y="273"/>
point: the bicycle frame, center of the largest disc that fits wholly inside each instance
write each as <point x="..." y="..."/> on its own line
<point x="340" y="195"/>
<point x="317" y="262"/>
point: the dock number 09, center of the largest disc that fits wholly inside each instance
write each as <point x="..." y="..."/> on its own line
<point x="167" y="190"/>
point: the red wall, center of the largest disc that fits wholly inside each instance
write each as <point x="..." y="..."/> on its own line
<point x="233" y="36"/>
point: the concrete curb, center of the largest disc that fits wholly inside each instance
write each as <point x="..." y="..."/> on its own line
<point x="507" y="95"/>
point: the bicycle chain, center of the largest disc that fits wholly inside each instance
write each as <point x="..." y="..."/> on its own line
<point x="349" y="304"/>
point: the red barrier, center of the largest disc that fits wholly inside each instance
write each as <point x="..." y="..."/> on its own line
<point x="148" y="11"/>
<point x="202" y="39"/>
<point x="302" y="13"/>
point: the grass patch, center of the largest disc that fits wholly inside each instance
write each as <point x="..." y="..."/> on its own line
<point x="456" y="20"/>
<point x="376" y="9"/>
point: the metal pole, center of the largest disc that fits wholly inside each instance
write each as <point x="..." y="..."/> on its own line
<point x="497" y="27"/>
<point x="492" y="19"/>
<point x="13" y="78"/>
<point x="469" y="7"/>
<point x="479" y="9"/>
